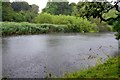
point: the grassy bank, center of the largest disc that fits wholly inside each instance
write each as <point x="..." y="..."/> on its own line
<point x="109" y="69"/>
<point x="24" y="28"/>
<point x="13" y="28"/>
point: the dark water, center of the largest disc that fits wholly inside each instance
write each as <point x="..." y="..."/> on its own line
<point x="35" y="56"/>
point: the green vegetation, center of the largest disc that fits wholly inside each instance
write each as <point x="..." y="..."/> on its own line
<point x="46" y="23"/>
<point x="75" y="24"/>
<point x="117" y="28"/>
<point x="105" y="12"/>
<point x="109" y="69"/>
<point x="64" y="17"/>
<point x="76" y="16"/>
<point x="13" y="28"/>
<point x="19" y="11"/>
<point x="56" y="8"/>
<point x="80" y="17"/>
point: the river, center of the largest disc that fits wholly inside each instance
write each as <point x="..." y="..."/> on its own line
<point x="36" y="56"/>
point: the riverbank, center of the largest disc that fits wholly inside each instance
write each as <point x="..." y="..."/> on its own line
<point x="109" y="69"/>
<point x="25" y="28"/>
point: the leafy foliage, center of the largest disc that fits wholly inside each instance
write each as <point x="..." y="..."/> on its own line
<point x="19" y="11"/>
<point x="57" y="8"/>
<point x="7" y="11"/>
<point x="106" y="12"/>
<point x="117" y="28"/>
<point x="20" y="6"/>
<point x="75" y="24"/>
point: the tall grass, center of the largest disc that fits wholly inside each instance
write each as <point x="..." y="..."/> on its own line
<point x="12" y="28"/>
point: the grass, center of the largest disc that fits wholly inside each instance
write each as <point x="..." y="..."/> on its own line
<point x="24" y="28"/>
<point x="109" y="69"/>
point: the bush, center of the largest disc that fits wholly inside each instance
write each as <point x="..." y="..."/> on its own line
<point x="44" y="18"/>
<point x="75" y="24"/>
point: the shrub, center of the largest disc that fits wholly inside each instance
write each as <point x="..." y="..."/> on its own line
<point x="75" y="24"/>
<point x="44" y="18"/>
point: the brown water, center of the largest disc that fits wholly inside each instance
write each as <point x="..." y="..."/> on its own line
<point x="35" y="56"/>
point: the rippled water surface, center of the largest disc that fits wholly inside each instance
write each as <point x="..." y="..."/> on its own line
<point x="36" y="56"/>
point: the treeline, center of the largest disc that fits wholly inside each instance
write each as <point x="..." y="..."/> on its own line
<point x="107" y="13"/>
<point x="19" y="11"/>
<point x="81" y="9"/>
<point x="56" y="8"/>
<point x="80" y="17"/>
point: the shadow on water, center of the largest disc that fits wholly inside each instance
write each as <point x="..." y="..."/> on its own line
<point x="38" y="56"/>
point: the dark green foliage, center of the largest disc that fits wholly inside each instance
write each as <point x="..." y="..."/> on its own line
<point x="20" y="6"/>
<point x="24" y="16"/>
<point x="57" y="8"/>
<point x="93" y="9"/>
<point x="7" y="11"/>
<point x="117" y="28"/>
<point x="19" y="11"/>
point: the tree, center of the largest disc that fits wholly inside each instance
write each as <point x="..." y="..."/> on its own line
<point x="7" y="11"/>
<point x="73" y="9"/>
<point x="98" y="9"/>
<point x="57" y="8"/>
<point x="19" y="11"/>
<point x="20" y="6"/>
<point x="34" y="8"/>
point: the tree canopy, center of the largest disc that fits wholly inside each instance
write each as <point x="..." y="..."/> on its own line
<point x="99" y="9"/>
<point x="19" y="11"/>
<point x="56" y="8"/>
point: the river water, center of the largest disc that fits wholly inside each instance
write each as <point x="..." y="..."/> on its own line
<point x="37" y="56"/>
